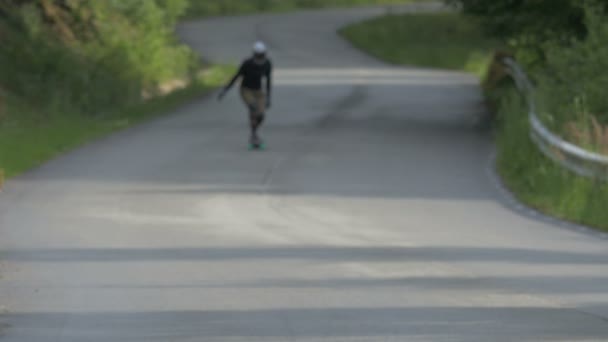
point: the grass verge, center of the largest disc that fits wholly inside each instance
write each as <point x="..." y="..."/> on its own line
<point x="540" y="182"/>
<point x="442" y="40"/>
<point x="32" y="139"/>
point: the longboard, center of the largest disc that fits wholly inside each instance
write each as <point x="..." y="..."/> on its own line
<point x="257" y="147"/>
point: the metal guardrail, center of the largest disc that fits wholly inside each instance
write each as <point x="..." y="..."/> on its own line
<point x="570" y="156"/>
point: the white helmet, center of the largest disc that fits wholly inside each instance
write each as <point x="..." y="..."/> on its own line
<point x="259" y="48"/>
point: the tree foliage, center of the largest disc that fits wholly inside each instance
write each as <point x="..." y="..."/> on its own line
<point x="89" y="54"/>
<point x="574" y="82"/>
<point x="529" y="21"/>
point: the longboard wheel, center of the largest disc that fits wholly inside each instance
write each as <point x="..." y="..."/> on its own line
<point x="256" y="144"/>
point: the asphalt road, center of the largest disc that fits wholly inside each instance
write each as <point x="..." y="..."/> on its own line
<point x="374" y="215"/>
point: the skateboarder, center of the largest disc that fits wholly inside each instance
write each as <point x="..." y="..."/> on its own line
<point x="252" y="71"/>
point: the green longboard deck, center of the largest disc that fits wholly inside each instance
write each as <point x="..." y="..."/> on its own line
<point x="260" y="147"/>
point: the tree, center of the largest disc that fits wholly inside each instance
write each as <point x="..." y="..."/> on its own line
<point x="528" y="20"/>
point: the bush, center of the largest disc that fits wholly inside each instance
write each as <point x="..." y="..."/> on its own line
<point x="91" y="55"/>
<point x="540" y="19"/>
<point x="571" y="91"/>
<point x="73" y="70"/>
<point x="537" y="180"/>
<point x="570" y="100"/>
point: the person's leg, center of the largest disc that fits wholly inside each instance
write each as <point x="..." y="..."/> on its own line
<point x="257" y="113"/>
<point x="249" y="99"/>
<point x="253" y="121"/>
<point x="256" y="119"/>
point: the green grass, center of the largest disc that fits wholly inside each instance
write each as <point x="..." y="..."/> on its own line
<point x="32" y="139"/>
<point x="444" y="40"/>
<point x="206" y="8"/>
<point x="540" y="182"/>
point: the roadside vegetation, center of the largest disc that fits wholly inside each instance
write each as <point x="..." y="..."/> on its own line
<point x="563" y="44"/>
<point x="74" y="70"/>
<point x="570" y="95"/>
<point x="444" y="40"/>
<point x="32" y="138"/>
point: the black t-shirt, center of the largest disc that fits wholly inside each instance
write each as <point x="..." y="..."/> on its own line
<point x="253" y="73"/>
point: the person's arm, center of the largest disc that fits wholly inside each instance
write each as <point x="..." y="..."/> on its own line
<point x="232" y="82"/>
<point x="268" y="84"/>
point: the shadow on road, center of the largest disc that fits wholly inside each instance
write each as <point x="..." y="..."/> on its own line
<point x="318" y="253"/>
<point x="405" y="324"/>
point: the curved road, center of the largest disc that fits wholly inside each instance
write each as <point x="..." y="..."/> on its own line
<point x="373" y="216"/>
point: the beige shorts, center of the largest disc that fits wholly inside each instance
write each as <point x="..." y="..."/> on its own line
<point x="255" y="99"/>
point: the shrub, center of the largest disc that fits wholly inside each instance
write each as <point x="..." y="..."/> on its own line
<point x="571" y="91"/>
<point x="105" y="54"/>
